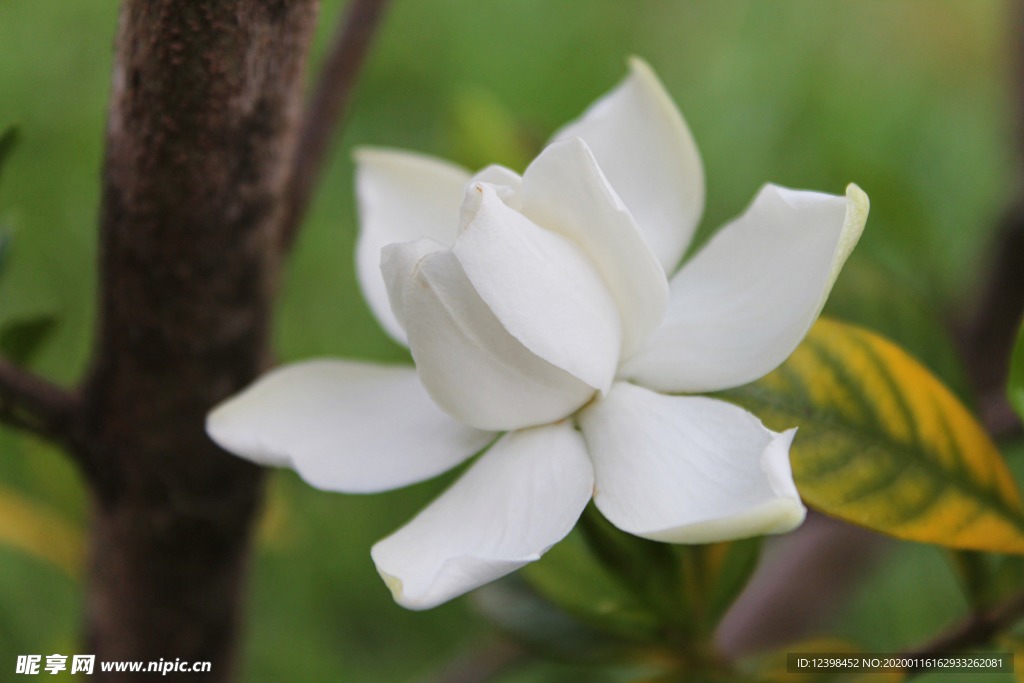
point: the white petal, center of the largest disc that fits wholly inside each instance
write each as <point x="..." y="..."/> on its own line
<point x="402" y="197"/>
<point x="647" y="152"/>
<point x="472" y="367"/>
<point x="344" y="426"/>
<point x="688" y="469"/>
<point x="565" y="192"/>
<point x="505" y="182"/>
<point x="744" y="303"/>
<point x="523" y="496"/>
<point x="398" y="261"/>
<point x="541" y="287"/>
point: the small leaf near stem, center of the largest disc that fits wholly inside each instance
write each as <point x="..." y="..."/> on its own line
<point x="651" y="570"/>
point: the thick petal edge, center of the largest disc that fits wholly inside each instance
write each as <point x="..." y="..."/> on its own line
<point x="744" y="303"/>
<point x="523" y="496"/>
<point x="645" y="149"/>
<point x="685" y="469"/>
<point x="401" y="197"/>
<point x="344" y="426"/>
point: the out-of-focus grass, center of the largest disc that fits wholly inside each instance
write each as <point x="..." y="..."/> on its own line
<point x="909" y="98"/>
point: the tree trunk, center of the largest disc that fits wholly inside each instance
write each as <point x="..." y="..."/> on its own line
<point x="202" y="127"/>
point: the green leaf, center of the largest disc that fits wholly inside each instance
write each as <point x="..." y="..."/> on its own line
<point x="1015" y="389"/>
<point x="524" y="615"/>
<point x="651" y="571"/>
<point x="34" y="529"/>
<point x="976" y="574"/>
<point x="883" y="444"/>
<point x="22" y="338"/>
<point x="8" y="141"/>
<point x="5" y="246"/>
<point x="729" y="567"/>
<point x="570" y="577"/>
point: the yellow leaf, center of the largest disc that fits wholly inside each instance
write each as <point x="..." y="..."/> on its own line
<point x="31" y="528"/>
<point x="882" y="443"/>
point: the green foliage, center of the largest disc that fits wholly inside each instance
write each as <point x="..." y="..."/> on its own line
<point x="539" y="625"/>
<point x="1016" y="384"/>
<point x="8" y="141"/>
<point x="884" y="444"/>
<point x="484" y="132"/>
<point x="32" y="528"/>
<point x="651" y="603"/>
<point x="22" y="339"/>
<point x="570" y="577"/>
<point x="652" y="571"/>
<point x="730" y="567"/>
<point x="5" y="248"/>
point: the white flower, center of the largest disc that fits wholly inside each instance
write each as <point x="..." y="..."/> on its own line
<point x="539" y="306"/>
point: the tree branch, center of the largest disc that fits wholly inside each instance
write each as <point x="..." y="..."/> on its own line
<point x="327" y="107"/>
<point x="30" y="402"/>
<point x="202" y="127"/>
<point x="986" y="339"/>
<point x="987" y="332"/>
<point x="975" y="631"/>
<point x="482" y="663"/>
<point x="802" y="580"/>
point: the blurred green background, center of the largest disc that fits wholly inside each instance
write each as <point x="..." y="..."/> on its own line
<point x="911" y="99"/>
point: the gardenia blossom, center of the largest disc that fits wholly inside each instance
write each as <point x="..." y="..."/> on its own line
<point x="550" y="331"/>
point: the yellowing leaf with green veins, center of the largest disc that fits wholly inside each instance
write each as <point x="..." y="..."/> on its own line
<point x="33" y="529"/>
<point x="882" y="443"/>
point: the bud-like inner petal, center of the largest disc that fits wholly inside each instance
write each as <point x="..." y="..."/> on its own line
<point x="470" y="364"/>
<point x="542" y="287"/>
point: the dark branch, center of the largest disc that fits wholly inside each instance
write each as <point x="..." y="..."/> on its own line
<point x="976" y="631"/>
<point x="327" y="107"/>
<point x="203" y="122"/>
<point x="987" y="334"/>
<point x="799" y="585"/>
<point x="986" y="340"/>
<point x="482" y="664"/>
<point x="30" y="402"/>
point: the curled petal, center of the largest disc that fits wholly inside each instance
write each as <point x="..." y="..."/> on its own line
<point x="344" y="426"/>
<point x="523" y="496"/>
<point x="402" y="197"/>
<point x="685" y="469"/>
<point x="647" y="152"/>
<point x="541" y="287"/>
<point x="504" y="180"/>
<point x="470" y="364"/>
<point x="565" y="192"/>
<point x="398" y="261"/>
<point x="744" y="303"/>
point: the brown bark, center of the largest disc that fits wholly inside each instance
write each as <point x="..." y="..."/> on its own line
<point x="201" y="133"/>
<point x="206" y="179"/>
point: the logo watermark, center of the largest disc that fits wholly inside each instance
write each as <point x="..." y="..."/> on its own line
<point x="34" y="665"/>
